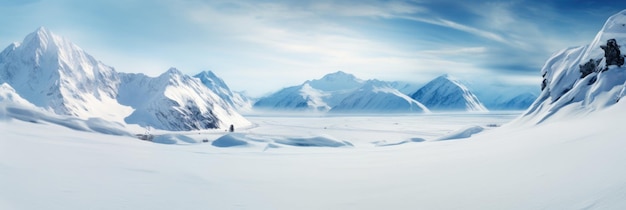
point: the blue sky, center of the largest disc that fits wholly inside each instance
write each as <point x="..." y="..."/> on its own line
<point x="261" y="46"/>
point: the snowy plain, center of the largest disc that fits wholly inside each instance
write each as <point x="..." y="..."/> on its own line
<point x="569" y="164"/>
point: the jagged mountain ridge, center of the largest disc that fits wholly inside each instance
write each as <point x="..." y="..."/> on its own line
<point x="55" y="74"/>
<point x="565" y="93"/>
<point x="445" y="93"/>
<point x="218" y="86"/>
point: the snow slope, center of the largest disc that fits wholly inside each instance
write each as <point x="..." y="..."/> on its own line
<point x="505" y="168"/>
<point x="567" y="95"/>
<point x="445" y="93"/>
<point x="315" y="95"/>
<point x="378" y="97"/>
<point x="13" y="106"/>
<point x="8" y="96"/>
<point x="218" y="86"/>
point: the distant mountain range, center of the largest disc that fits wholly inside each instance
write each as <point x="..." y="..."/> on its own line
<point x="56" y="75"/>
<point x="342" y="92"/>
<point x="318" y="95"/>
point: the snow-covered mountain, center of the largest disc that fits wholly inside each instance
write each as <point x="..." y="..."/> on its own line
<point x="315" y="95"/>
<point x="445" y="93"/>
<point x="378" y="96"/>
<point x="55" y="74"/>
<point x="218" y="86"/>
<point x="174" y="101"/>
<point x="565" y="93"/>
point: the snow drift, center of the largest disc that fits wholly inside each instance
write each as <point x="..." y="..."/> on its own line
<point x="240" y="139"/>
<point x="12" y="106"/>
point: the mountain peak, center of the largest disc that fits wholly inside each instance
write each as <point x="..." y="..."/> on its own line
<point x="42" y="30"/>
<point x="41" y="37"/>
<point x="208" y="74"/>
<point x="336" y="81"/>
<point x="173" y="71"/>
<point x="445" y="93"/>
<point x="338" y="75"/>
<point x="213" y="82"/>
<point x="446" y="77"/>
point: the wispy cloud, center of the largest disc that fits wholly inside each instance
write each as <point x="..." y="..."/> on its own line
<point x="284" y="42"/>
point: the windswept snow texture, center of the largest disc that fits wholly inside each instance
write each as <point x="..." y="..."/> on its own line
<point x="174" y="139"/>
<point x="240" y="139"/>
<point x="56" y="75"/>
<point x="8" y="112"/>
<point x="378" y="96"/>
<point x="566" y="94"/>
<point x="462" y="133"/>
<point x="447" y="94"/>
<point x="13" y="106"/>
<point x="315" y="95"/>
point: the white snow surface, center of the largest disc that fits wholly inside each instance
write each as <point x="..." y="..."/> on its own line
<point x="573" y="159"/>
<point x="566" y="94"/>
<point x="378" y="97"/>
<point x="445" y="93"/>
<point x="559" y="165"/>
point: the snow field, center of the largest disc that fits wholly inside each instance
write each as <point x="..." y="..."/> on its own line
<point x="560" y="165"/>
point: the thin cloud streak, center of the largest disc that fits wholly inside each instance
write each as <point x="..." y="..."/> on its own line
<point x="286" y="42"/>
